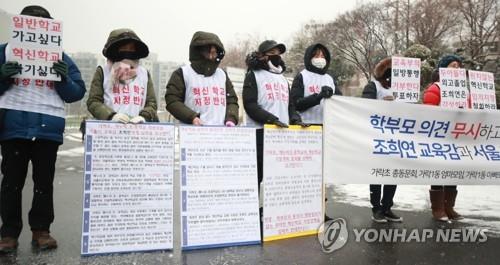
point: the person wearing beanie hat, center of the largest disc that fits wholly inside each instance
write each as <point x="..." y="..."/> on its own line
<point x="122" y="90"/>
<point x="32" y="125"/>
<point x="442" y="197"/>
<point x="380" y="88"/>
<point x="202" y="93"/>
<point x="313" y="84"/>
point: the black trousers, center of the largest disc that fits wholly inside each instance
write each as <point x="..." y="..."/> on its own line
<point x="17" y="154"/>
<point x="449" y="188"/>
<point x="260" y="154"/>
<point x="382" y="202"/>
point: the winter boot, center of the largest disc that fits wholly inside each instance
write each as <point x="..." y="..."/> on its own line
<point x="449" y="203"/>
<point x="437" y="205"/>
<point x="43" y="240"/>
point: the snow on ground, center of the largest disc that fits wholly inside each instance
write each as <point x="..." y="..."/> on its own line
<point x="73" y="152"/>
<point x="76" y="137"/>
<point x="480" y="205"/>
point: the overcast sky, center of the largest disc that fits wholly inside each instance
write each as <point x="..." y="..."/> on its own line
<point x="167" y="26"/>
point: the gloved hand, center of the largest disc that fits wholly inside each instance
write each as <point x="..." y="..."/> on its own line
<point x="137" y="119"/>
<point x="326" y="92"/>
<point x="9" y="69"/>
<point x="197" y="121"/>
<point x="230" y="124"/>
<point x="120" y="117"/>
<point x="303" y="125"/>
<point x="280" y="124"/>
<point x="61" y="67"/>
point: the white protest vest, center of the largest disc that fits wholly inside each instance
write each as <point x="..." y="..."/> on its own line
<point x="128" y="98"/>
<point x="312" y="84"/>
<point x="31" y="95"/>
<point x="381" y="91"/>
<point x="272" y="95"/>
<point x="206" y="95"/>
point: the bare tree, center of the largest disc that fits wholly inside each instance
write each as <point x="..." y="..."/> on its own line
<point x="311" y="33"/>
<point x="480" y="25"/>
<point x="432" y="21"/>
<point x="237" y="51"/>
<point x="360" y="36"/>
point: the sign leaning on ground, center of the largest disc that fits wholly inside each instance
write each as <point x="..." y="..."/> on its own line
<point x="35" y="43"/>
<point x="219" y="196"/>
<point x="379" y="142"/>
<point x="405" y="79"/>
<point x="128" y="187"/>
<point x="293" y="182"/>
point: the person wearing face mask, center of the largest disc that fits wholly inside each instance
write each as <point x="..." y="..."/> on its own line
<point x="442" y="197"/>
<point x="266" y="93"/>
<point x="122" y="90"/>
<point x="380" y="88"/>
<point x="32" y="127"/>
<point x="201" y="93"/>
<point x="313" y="84"/>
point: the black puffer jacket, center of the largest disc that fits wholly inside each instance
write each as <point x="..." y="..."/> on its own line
<point x="250" y="94"/>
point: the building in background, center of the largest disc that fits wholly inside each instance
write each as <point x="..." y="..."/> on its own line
<point x="4" y="26"/>
<point x="161" y="74"/>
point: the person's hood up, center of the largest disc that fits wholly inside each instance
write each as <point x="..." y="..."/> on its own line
<point x="309" y="54"/>
<point x="199" y="63"/>
<point x="119" y="37"/>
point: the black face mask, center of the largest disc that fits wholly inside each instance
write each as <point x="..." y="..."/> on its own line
<point x="125" y="55"/>
<point x="275" y="60"/>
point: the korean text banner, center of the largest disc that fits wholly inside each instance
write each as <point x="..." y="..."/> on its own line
<point x="380" y="142"/>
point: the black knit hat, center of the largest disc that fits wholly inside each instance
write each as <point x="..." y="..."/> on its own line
<point x="35" y="11"/>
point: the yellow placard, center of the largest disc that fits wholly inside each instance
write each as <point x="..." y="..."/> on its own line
<point x="295" y="127"/>
<point x="305" y="233"/>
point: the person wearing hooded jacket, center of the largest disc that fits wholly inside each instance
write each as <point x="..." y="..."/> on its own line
<point x="313" y="84"/>
<point x="380" y="88"/>
<point x="32" y="126"/>
<point x="442" y="197"/>
<point x="122" y="90"/>
<point x="201" y="93"/>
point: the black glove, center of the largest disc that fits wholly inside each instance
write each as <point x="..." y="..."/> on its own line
<point x="326" y="92"/>
<point x="280" y="124"/>
<point x="303" y="125"/>
<point x="61" y="67"/>
<point x="9" y="69"/>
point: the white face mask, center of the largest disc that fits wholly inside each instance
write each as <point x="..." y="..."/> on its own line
<point x="319" y="63"/>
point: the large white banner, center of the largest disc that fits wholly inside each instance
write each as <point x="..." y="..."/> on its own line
<point x="219" y="195"/>
<point x="379" y="142"/>
<point x="293" y="182"/>
<point x="128" y="187"/>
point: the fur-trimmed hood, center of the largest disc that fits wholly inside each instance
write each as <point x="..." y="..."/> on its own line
<point x="380" y="71"/>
